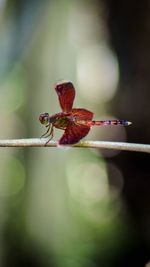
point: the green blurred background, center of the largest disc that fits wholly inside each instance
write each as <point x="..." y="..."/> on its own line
<point x="74" y="207"/>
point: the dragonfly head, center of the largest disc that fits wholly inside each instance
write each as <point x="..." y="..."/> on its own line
<point x="44" y="118"/>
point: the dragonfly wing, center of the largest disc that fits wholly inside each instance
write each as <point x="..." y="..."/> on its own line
<point x="66" y="94"/>
<point x="73" y="134"/>
<point x="82" y="114"/>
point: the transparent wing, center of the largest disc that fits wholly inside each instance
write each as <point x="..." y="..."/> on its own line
<point x="66" y="94"/>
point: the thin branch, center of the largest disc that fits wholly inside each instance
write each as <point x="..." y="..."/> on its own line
<point x="37" y="142"/>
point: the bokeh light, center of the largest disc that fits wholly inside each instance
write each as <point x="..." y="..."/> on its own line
<point x="95" y="65"/>
<point x="88" y="182"/>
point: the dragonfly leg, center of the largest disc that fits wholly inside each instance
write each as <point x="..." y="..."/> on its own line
<point x="46" y="131"/>
<point x="51" y="134"/>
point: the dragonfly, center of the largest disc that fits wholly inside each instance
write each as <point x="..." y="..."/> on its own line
<point x="76" y="122"/>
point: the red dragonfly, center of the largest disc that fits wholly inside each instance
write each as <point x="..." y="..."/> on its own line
<point x="76" y="122"/>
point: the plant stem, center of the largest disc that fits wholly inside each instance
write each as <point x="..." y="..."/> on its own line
<point x="37" y="142"/>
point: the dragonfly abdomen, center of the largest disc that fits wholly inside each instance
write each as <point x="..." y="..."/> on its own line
<point x="110" y="122"/>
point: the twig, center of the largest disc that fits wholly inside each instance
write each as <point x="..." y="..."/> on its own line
<point x="37" y="142"/>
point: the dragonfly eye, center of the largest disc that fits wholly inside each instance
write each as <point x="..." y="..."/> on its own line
<point x="44" y="118"/>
